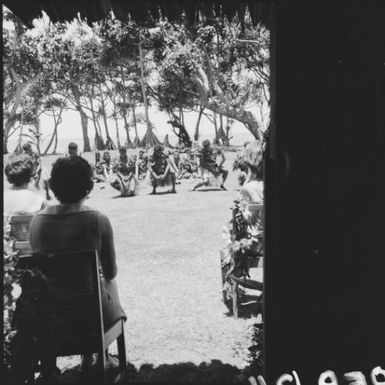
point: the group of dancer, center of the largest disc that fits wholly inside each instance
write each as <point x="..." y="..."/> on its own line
<point x="162" y="167"/>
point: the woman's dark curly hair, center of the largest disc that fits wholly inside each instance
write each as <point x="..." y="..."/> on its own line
<point x="19" y="169"/>
<point x="71" y="179"/>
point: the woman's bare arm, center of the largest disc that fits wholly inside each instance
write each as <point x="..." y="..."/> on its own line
<point x="107" y="257"/>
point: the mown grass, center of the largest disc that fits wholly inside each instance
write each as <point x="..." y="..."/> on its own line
<point x="169" y="276"/>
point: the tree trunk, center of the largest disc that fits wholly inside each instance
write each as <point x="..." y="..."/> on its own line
<point x="57" y="120"/>
<point x="99" y="141"/>
<point x="83" y="119"/>
<point x="183" y="135"/>
<point x="142" y="83"/>
<point x="117" y="130"/>
<point x="135" y="125"/>
<point x="215" y="126"/>
<point x="128" y="140"/>
<point x="104" y="116"/>
<point x="37" y="135"/>
<point x="196" y="133"/>
<point x="5" y="141"/>
<point x="224" y="107"/>
<point x="55" y="146"/>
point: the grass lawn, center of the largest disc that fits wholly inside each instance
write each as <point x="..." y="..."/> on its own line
<point x="169" y="275"/>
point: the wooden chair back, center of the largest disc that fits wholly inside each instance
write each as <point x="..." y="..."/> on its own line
<point x="20" y="226"/>
<point x="74" y="300"/>
<point x="20" y="229"/>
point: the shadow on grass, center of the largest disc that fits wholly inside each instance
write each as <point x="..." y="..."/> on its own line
<point x="215" y="372"/>
<point x="123" y="196"/>
<point x="209" y="189"/>
<point x="163" y="193"/>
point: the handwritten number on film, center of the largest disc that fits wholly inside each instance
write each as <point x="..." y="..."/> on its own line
<point x="377" y="377"/>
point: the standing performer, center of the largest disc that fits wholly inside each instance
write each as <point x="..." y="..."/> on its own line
<point x="124" y="179"/>
<point x="162" y="169"/>
<point x="210" y="166"/>
<point x="72" y="150"/>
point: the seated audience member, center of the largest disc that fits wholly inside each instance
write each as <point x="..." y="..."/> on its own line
<point x="72" y="150"/>
<point x="19" y="171"/>
<point x="107" y="163"/>
<point x="99" y="171"/>
<point x="71" y="226"/>
<point x="211" y="165"/>
<point x="162" y="169"/>
<point x="252" y="190"/>
<point x="124" y="179"/>
<point x="240" y="165"/>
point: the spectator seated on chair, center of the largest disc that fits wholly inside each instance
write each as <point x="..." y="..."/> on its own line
<point x="72" y="226"/>
<point x="252" y="189"/>
<point x="19" y="171"/>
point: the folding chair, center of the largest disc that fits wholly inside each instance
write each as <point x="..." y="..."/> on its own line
<point x="74" y="299"/>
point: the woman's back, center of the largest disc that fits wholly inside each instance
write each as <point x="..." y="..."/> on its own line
<point x="66" y="228"/>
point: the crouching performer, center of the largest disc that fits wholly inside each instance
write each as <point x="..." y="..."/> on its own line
<point x="211" y="166"/>
<point x="162" y="169"/>
<point x="123" y="178"/>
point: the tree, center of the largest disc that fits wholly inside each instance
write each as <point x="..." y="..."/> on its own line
<point x="211" y="66"/>
<point x="125" y="47"/>
<point x="71" y="54"/>
<point x="21" y="69"/>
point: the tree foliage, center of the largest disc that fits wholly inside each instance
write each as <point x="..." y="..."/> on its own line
<point x="107" y="70"/>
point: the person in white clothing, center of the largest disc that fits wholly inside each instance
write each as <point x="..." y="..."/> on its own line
<point x="19" y="199"/>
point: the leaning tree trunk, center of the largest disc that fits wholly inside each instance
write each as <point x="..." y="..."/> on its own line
<point x="196" y="132"/>
<point x="183" y="135"/>
<point x="223" y="106"/>
<point x="83" y="119"/>
<point x="57" y="120"/>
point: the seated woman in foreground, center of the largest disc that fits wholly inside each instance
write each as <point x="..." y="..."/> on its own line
<point x="72" y="226"/>
<point x="18" y="200"/>
<point x="245" y="239"/>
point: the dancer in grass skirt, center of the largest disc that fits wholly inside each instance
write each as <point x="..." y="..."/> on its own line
<point x="162" y="169"/>
<point x="211" y="166"/>
<point x="123" y="178"/>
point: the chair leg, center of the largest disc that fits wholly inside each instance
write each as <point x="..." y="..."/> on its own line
<point x="122" y="354"/>
<point x="235" y="299"/>
<point x="102" y="367"/>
